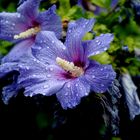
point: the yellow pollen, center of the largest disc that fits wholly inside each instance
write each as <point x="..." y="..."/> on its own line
<point x="70" y="67"/>
<point x="28" y="33"/>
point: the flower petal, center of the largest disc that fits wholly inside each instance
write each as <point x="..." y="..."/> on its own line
<point x="50" y="21"/>
<point x="11" y="24"/>
<point x="19" y="51"/>
<point x="75" y="33"/>
<point x="99" y="44"/>
<point x="47" y="47"/>
<point x="9" y="91"/>
<point x="131" y="95"/>
<point x="100" y="77"/>
<point x="70" y="95"/>
<point x="7" y="68"/>
<point x="29" y="9"/>
<point x="40" y="79"/>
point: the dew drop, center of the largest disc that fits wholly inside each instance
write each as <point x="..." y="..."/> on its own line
<point x="34" y="75"/>
<point x="52" y="41"/>
<point x="76" y="85"/>
<point x="48" y="75"/>
<point x="18" y="15"/>
<point x="93" y="76"/>
<point x="97" y="41"/>
<point x="45" y="86"/>
<point x="77" y="94"/>
<point x="51" y="69"/>
<point x="97" y="52"/>
<point x="68" y="85"/>
<point x="39" y="48"/>
<point x="27" y="67"/>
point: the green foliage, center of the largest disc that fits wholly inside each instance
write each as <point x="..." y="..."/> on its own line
<point x="5" y="47"/>
<point x="102" y="3"/>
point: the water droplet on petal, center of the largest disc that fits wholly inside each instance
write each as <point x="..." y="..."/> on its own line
<point x="51" y="69"/>
<point x="27" y="67"/>
<point x="102" y="85"/>
<point x="39" y="48"/>
<point x="46" y="86"/>
<point x="52" y="41"/>
<point x="68" y="85"/>
<point x="76" y="85"/>
<point x="34" y="75"/>
<point x="93" y="76"/>
<point x="18" y="15"/>
<point x="97" y="41"/>
<point x="97" y="52"/>
<point x="48" y="75"/>
<point x="77" y="94"/>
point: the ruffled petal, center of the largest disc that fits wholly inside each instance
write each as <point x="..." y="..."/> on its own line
<point x="11" y="24"/>
<point x="131" y="95"/>
<point x="10" y="91"/>
<point x="100" y="77"/>
<point x="37" y="78"/>
<point x="98" y="45"/>
<point x="72" y="92"/>
<point x="50" y="21"/>
<point x="19" y="51"/>
<point x="7" y="68"/>
<point x="75" y="33"/>
<point x="29" y="9"/>
<point x="47" y="47"/>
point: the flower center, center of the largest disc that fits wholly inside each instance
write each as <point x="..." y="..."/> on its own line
<point x="70" y="67"/>
<point x="28" y="33"/>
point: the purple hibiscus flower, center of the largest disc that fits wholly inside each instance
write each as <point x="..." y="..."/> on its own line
<point x="23" y="26"/>
<point x="66" y="69"/>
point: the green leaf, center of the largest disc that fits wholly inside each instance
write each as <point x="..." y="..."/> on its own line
<point x="102" y="3"/>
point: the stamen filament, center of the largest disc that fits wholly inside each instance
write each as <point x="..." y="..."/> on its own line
<point x="70" y="67"/>
<point x="28" y="33"/>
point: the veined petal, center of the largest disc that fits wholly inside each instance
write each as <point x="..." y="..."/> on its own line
<point x="7" y="68"/>
<point x="19" y="51"/>
<point x="99" y="44"/>
<point x="47" y="47"/>
<point x="29" y="9"/>
<point x="131" y="95"/>
<point x="100" y="77"/>
<point x="75" y="33"/>
<point x="9" y="91"/>
<point x="10" y="25"/>
<point x="50" y="21"/>
<point x="38" y="79"/>
<point x="70" y="95"/>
